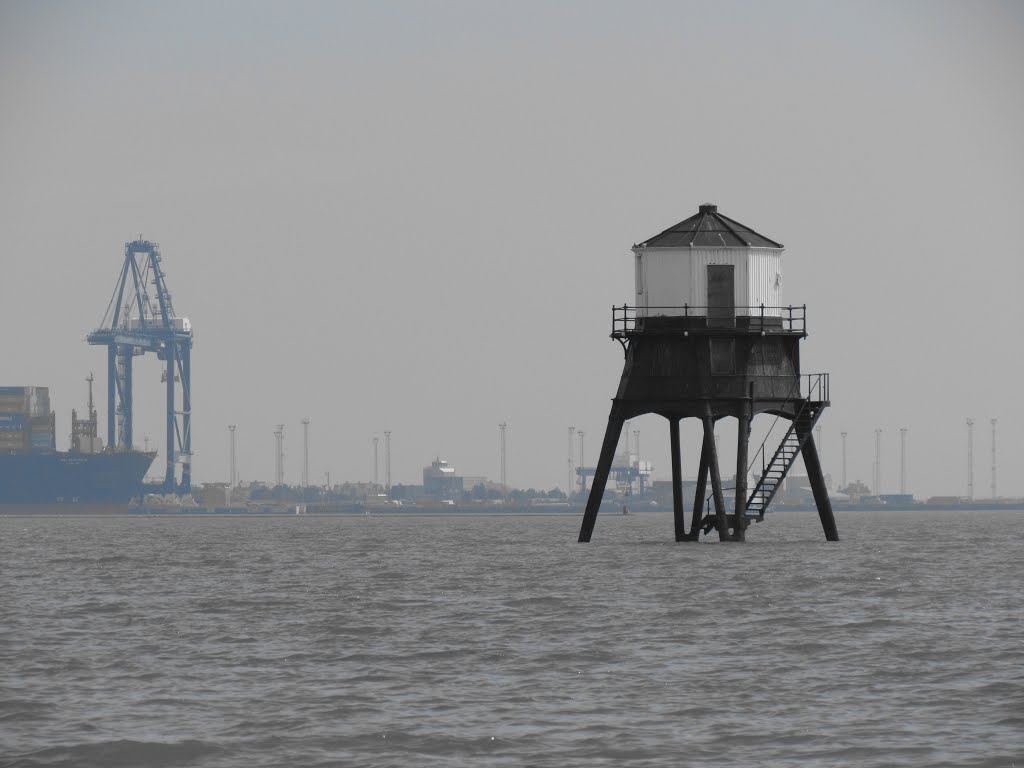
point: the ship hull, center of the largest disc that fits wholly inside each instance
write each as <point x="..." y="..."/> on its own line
<point x="71" y="483"/>
<point x="63" y="510"/>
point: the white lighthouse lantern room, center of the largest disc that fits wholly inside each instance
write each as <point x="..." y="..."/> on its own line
<point x="708" y="266"/>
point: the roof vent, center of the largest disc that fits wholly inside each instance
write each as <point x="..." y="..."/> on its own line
<point x="708" y="208"/>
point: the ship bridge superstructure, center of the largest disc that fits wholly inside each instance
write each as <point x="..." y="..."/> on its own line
<point x="139" y="320"/>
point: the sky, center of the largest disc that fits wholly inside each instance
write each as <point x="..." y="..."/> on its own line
<point x="416" y="216"/>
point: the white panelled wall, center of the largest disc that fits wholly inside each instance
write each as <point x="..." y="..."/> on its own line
<point x="669" y="278"/>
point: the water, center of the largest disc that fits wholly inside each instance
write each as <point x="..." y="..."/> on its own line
<point x="458" y="641"/>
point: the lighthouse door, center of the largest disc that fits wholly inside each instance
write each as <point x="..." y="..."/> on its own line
<point x="721" y="295"/>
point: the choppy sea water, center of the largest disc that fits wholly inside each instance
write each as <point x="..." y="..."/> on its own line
<point x="500" y="641"/>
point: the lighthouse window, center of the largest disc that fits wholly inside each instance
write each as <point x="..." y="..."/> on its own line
<point x="722" y="356"/>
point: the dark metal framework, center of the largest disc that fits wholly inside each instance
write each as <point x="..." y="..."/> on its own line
<point x="139" y="319"/>
<point x="688" y="362"/>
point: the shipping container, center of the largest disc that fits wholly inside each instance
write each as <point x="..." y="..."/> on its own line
<point x="39" y="402"/>
<point x="12" y="403"/>
<point x="41" y="424"/>
<point x="42" y="442"/>
<point x="11" y="422"/>
<point x="33" y="401"/>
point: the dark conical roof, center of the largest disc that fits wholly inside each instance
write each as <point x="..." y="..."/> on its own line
<point x="708" y="228"/>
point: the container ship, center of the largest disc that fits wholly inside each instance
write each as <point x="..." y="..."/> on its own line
<point x="36" y="478"/>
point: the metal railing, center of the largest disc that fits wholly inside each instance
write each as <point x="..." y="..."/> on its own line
<point x="789" y="319"/>
<point x="817" y="389"/>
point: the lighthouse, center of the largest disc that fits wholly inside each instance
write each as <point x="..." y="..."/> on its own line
<point x="708" y="337"/>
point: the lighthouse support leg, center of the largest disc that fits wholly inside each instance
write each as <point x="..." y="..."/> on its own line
<point x="699" y="491"/>
<point x="604" y="464"/>
<point x="677" y="480"/>
<point x="821" y="500"/>
<point x="722" y="521"/>
<point x="739" y="525"/>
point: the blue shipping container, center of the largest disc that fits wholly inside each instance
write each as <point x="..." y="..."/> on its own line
<point x="12" y="422"/>
<point x="12" y="390"/>
<point x="42" y="442"/>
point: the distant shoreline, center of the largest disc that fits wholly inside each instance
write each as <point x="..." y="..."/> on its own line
<point x="352" y="510"/>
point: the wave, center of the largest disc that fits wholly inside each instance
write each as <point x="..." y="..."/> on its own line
<point x="113" y="754"/>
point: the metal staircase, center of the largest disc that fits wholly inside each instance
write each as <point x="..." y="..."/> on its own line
<point x="775" y="471"/>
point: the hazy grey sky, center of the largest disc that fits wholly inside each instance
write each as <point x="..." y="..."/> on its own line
<point x="416" y="216"/>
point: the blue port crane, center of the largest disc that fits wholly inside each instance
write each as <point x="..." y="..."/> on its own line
<point x="139" y="319"/>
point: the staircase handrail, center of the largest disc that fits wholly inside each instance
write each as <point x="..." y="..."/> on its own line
<point x="815" y="382"/>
